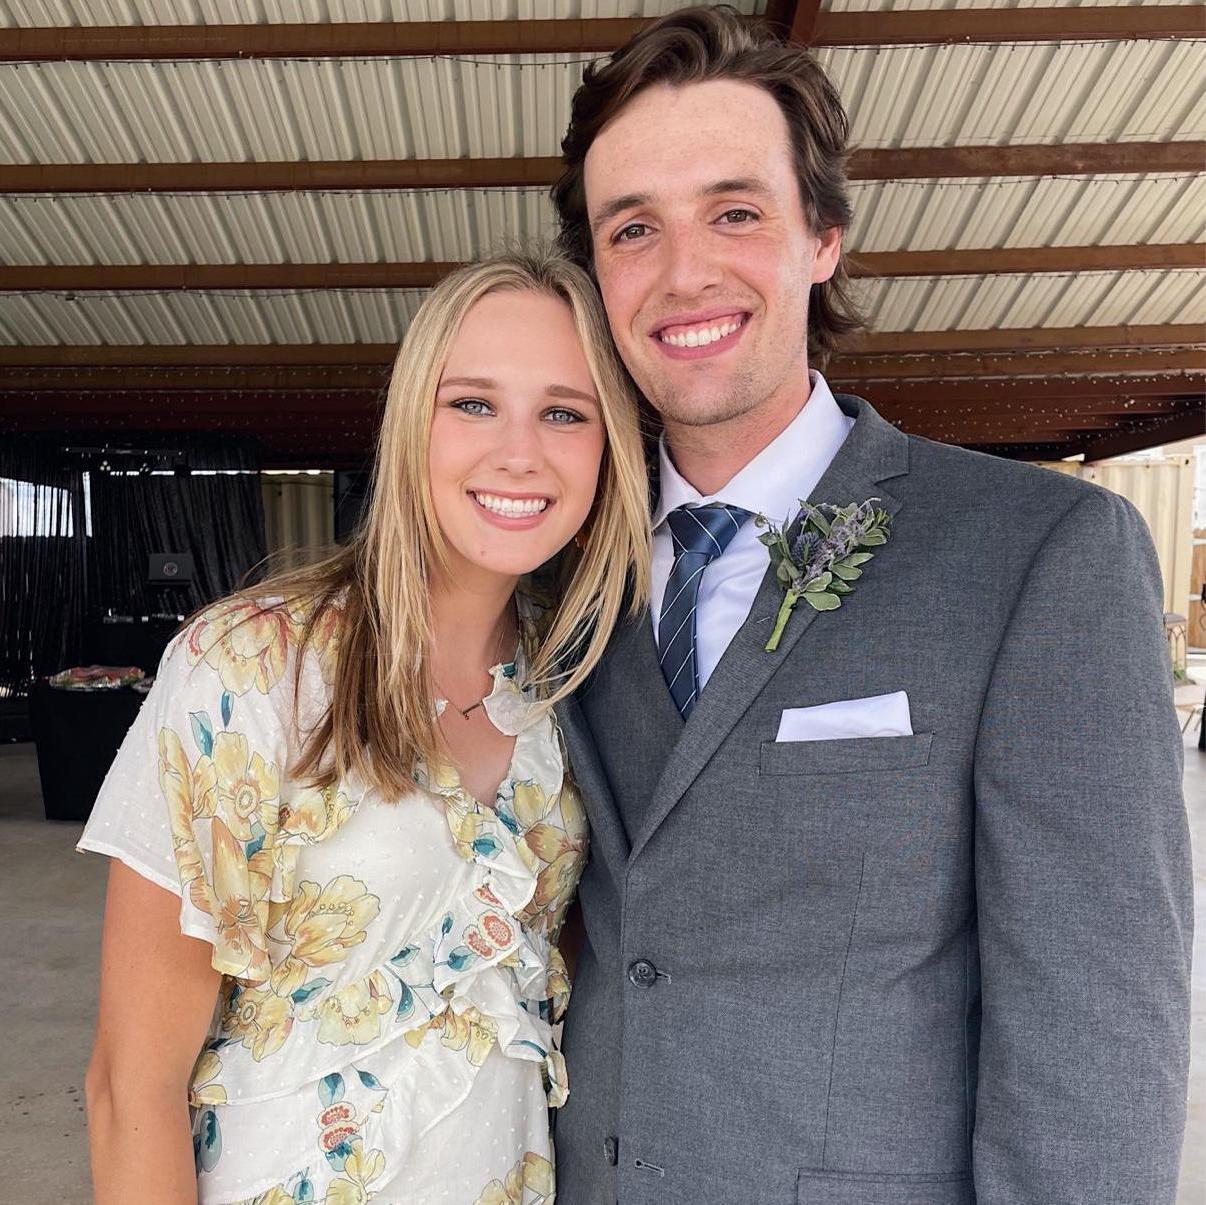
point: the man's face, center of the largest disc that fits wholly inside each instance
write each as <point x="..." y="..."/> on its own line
<point x="702" y="252"/>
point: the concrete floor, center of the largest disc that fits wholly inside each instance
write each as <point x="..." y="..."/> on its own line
<point x="48" y="978"/>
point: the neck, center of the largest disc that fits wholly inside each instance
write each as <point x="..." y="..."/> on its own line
<point x="471" y="622"/>
<point x="710" y="457"/>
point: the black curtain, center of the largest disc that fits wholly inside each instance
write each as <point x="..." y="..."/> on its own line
<point x="208" y="512"/>
<point x="43" y="562"/>
<point x="57" y="582"/>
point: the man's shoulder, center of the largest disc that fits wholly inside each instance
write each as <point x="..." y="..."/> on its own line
<point x="960" y="479"/>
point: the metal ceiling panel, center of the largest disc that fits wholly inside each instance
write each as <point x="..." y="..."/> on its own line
<point x="27" y="13"/>
<point x="512" y="105"/>
<point x="1056" y="300"/>
<point x="453" y="225"/>
<point x="381" y="316"/>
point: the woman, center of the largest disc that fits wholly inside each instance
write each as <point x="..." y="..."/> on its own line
<point x="343" y="840"/>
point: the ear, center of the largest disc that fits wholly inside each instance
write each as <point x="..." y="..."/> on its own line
<point x="825" y="257"/>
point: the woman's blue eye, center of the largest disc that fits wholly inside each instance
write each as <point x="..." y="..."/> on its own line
<point x="565" y="417"/>
<point x="471" y="405"/>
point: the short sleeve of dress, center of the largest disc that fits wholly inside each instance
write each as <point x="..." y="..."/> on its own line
<point x="192" y="800"/>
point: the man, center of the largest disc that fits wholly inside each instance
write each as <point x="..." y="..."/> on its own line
<point x="926" y="945"/>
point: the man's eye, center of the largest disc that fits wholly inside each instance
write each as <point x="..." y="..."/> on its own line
<point x="564" y="417"/>
<point x="630" y="233"/>
<point x="734" y="216"/>
<point x="471" y="405"/>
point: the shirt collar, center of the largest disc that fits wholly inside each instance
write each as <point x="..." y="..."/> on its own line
<point x="785" y="471"/>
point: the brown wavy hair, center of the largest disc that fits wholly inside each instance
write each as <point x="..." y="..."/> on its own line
<point x="698" y="45"/>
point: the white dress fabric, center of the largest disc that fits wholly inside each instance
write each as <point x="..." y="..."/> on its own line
<point x="385" y="1026"/>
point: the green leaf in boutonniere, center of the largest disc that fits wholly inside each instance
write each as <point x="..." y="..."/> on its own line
<point x="819" y="555"/>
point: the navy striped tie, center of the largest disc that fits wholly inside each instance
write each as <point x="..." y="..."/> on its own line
<point x="701" y="534"/>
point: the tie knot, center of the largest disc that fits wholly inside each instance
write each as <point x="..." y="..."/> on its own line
<point x="705" y="529"/>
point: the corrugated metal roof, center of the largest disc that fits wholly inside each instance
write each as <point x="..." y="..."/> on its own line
<point x="1011" y="94"/>
<point x="451" y="225"/>
<point x="257" y="12"/>
<point x="381" y="316"/>
<point x="119" y="112"/>
<point x="1057" y="300"/>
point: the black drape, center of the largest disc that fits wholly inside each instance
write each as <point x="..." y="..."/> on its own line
<point x="216" y="516"/>
<point x="56" y="581"/>
<point x="42" y="561"/>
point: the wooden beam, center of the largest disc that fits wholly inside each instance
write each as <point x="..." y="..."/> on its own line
<point x="1022" y="364"/>
<point x="801" y="20"/>
<point x="905" y="163"/>
<point x="212" y="354"/>
<point x="346" y="175"/>
<point x="1060" y="23"/>
<point x="358" y="39"/>
<point x="1189" y="424"/>
<point x="890" y="344"/>
<point x="882" y="393"/>
<point x="1064" y="159"/>
<point x="80" y="278"/>
<point x="1066" y="338"/>
<point x="996" y="260"/>
<point x="421" y="275"/>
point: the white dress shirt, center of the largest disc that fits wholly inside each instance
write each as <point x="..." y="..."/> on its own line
<point x="772" y="484"/>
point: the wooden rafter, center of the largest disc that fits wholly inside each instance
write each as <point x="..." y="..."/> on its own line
<point x="905" y="163"/>
<point x="888" y="344"/>
<point x="1188" y="424"/>
<point x="801" y="20"/>
<point x="418" y="275"/>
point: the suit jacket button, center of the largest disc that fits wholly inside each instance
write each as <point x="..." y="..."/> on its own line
<point x="642" y="973"/>
<point x="611" y="1151"/>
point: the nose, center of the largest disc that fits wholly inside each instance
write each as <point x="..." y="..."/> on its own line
<point x="689" y="265"/>
<point x="518" y="450"/>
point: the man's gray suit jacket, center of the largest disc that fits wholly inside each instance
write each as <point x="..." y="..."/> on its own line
<point x="939" y="969"/>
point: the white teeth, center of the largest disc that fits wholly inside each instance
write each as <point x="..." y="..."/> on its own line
<point x="512" y="508"/>
<point x="701" y="337"/>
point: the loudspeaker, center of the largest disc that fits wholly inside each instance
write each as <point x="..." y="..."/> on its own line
<point x="170" y="568"/>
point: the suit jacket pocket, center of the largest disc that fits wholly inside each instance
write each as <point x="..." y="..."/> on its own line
<point x="870" y="1188"/>
<point x="855" y="754"/>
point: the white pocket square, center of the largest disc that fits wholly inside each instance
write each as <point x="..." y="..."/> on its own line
<point x="878" y="715"/>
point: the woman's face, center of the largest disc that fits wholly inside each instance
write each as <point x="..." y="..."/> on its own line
<point x="517" y="437"/>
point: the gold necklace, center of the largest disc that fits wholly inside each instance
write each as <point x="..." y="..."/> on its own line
<point x="467" y="711"/>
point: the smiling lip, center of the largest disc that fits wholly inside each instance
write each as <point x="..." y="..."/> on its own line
<point x="700" y="336"/>
<point x="520" y="520"/>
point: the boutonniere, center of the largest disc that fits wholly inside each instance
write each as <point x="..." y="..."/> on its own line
<point x="819" y="555"/>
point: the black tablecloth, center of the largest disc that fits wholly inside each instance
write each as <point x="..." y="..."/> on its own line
<point x="77" y="733"/>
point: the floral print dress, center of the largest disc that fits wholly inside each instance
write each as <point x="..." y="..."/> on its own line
<point x="385" y="1025"/>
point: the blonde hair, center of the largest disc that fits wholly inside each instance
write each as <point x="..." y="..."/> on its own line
<point x="381" y="719"/>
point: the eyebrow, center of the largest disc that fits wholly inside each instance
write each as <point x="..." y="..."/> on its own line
<point x="552" y="390"/>
<point x="634" y="200"/>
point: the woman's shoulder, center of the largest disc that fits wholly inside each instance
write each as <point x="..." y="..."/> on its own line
<point x="249" y="640"/>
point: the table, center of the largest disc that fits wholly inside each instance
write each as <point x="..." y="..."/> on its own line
<point x="77" y="733"/>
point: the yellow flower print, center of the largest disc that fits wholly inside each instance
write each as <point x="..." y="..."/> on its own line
<point x="240" y="907"/>
<point x="471" y="1032"/>
<point x="203" y="1090"/>
<point x="531" y="805"/>
<point x="311" y="814"/>
<point x="247" y="786"/>
<point x="257" y="1018"/>
<point x="323" y="925"/>
<point x="556" y="884"/>
<point x="533" y="1173"/>
<point x="324" y="638"/>
<point x="247" y="644"/>
<point x="191" y="794"/>
<point x="353" y="1015"/>
<point x="361" y="1169"/>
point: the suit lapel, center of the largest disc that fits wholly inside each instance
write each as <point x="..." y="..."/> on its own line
<point x="873" y="452"/>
